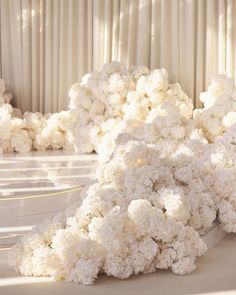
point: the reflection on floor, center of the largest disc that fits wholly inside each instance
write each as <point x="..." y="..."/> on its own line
<point x="36" y="185"/>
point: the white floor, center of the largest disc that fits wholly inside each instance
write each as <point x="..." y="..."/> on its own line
<point x="215" y="274"/>
<point x="36" y="185"/>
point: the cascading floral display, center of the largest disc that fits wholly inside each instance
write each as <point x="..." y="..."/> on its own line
<point x="171" y="174"/>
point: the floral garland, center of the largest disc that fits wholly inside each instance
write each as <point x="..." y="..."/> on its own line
<point x="171" y="174"/>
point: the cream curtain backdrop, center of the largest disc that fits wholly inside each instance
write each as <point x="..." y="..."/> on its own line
<point x="46" y="45"/>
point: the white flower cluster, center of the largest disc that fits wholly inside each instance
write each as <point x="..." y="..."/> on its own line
<point x="219" y="112"/>
<point x="4" y="97"/>
<point x="52" y="131"/>
<point x="22" y="133"/>
<point x="115" y="230"/>
<point x="170" y="176"/>
<point x="102" y="105"/>
<point x="118" y="100"/>
<point x="13" y="135"/>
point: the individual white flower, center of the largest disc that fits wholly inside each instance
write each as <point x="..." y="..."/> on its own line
<point x="118" y="267"/>
<point x="229" y="119"/>
<point x="5" y="130"/>
<point x="148" y="248"/>
<point x="85" y="271"/>
<point x="219" y="107"/>
<point x="21" y="142"/>
<point x="148" y="220"/>
<point x="175" y="203"/>
<point x="184" y="266"/>
<point x="227" y="215"/>
<point x="203" y="210"/>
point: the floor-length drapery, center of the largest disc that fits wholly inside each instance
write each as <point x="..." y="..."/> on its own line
<point x="46" y="45"/>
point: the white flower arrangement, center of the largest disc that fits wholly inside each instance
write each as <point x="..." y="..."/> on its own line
<point x="117" y="100"/>
<point x="171" y="175"/>
<point x="103" y="105"/>
<point x="32" y="131"/>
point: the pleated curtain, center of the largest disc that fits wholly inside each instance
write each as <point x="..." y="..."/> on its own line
<point x="47" y="45"/>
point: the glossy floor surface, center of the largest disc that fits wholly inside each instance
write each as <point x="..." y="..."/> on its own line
<point x="35" y="186"/>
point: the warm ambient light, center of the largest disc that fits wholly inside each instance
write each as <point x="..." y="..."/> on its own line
<point x="225" y="292"/>
<point x="23" y="280"/>
<point x="10" y="236"/>
<point x="42" y="195"/>
<point x="61" y="158"/>
<point x="45" y="177"/>
<point x="42" y="168"/>
<point x="12" y="229"/>
<point x="8" y="192"/>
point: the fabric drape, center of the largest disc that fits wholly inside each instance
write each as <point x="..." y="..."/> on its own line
<point x="46" y="45"/>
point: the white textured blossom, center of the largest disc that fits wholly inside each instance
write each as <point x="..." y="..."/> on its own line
<point x="219" y="102"/>
<point x="184" y="266"/>
<point x="176" y="204"/>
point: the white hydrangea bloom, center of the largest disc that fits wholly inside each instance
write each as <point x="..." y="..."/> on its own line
<point x="219" y="106"/>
